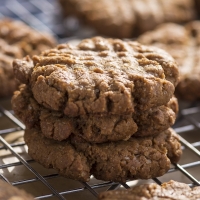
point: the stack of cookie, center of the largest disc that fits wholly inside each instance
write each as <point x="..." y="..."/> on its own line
<point x="103" y="107"/>
<point x="16" y="41"/>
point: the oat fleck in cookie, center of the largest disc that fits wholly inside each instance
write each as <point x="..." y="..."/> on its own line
<point x="171" y="190"/>
<point x="100" y="76"/>
<point x="135" y="16"/>
<point x="183" y="43"/>
<point x="75" y="158"/>
<point x="9" y="192"/>
<point x="16" y="41"/>
<point x="93" y="128"/>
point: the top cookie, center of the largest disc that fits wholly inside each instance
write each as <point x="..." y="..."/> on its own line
<point x="100" y="76"/>
<point x="183" y="43"/>
<point x="135" y="16"/>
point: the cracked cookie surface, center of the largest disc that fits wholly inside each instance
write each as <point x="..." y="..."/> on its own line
<point x="100" y="76"/>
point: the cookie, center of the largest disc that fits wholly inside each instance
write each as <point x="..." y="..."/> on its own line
<point x="7" y="80"/>
<point x="102" y="15"/>
<point x="93" y="128"/>
<point x="178" y="11"/>
<point x="183" y="43"/>
<point x="127" y="18"/>
<point x="100" y="76"/>
<point x="9" y="192"/>
<point x="167" y="191"/>
<point x="15" y="43"/>
<point x="18" y="34"/>
<point x="77" y="159"/>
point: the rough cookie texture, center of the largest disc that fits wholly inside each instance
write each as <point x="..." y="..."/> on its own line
<point x="9" y="192"/>
<point x="100" y="76"/>
<point x="61" y="156"/>
<point x="16" y="41"/>
<point x="183" y="43"/>
<point x="156" y="119"/>
<point x="135" y="16"/>
<point x="132" y="159"/>
<point x="93" y="128"/>
<point x="171" y="190"/>
<point x="144" y="158"/>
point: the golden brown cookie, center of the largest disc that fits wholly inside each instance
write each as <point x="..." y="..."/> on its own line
<point x="30" y="41"/>
<point x="183" y="43"/>
<point x="99" y="76"/>
<point x="16" y="41"/>
<point x="167" y="191"/>
<point x="125" y="18"/>
<point x="7" y="80"/>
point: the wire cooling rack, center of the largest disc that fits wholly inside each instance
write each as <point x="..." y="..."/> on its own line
<point x="18" y="169"/>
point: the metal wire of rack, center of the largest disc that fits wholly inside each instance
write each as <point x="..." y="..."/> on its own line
<point x="18" y="169"/>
